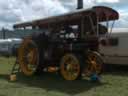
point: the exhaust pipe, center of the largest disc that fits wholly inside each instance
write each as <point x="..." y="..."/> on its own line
<point x="79" y="4"/>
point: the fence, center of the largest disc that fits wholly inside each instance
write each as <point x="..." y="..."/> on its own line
<point x="18" y="33"/>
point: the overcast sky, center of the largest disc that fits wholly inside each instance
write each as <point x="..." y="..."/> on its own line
<point x="15" y="11"/>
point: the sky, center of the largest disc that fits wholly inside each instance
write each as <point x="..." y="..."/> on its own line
<point x="15" y="11"/>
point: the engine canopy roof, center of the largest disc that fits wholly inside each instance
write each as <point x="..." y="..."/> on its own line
<point x="101" y="13"/>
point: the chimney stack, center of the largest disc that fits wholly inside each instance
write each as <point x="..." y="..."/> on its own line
<point x="79" y="4"/>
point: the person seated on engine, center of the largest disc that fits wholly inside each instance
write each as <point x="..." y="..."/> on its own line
<point x="69" y="33"/>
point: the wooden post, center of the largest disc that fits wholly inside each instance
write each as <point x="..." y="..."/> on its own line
<point x="3" y="30"/>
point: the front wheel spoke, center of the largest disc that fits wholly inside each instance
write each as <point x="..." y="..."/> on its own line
<point x="93" y="64"/>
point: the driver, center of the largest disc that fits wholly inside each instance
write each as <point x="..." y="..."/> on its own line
<point x="69" y="32"/>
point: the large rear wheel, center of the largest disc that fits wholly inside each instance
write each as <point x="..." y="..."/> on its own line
<point x="28" y="57"/>
<point x="70" y="67"/>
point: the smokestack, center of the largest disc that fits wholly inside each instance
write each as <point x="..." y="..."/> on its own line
<point x="79" y="4"/>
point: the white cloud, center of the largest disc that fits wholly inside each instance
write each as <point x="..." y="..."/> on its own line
<point x="39" y="8"/>
<point x="89" y="3"/>
<point x="24" y="10"/>
<point x="123" y="18"/>
<point x="72" y="4"/>
<point x="12" y="11"/>
<point x="107" y="1"/>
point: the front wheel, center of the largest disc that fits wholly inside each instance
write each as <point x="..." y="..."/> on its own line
<point x="94" y="64"/>
<point x="70" y="67"/>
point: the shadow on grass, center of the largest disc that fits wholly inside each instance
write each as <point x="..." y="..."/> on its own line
<point x="54" y="82"/>
<point x="4" y="76"/>
<point x="120" y="70"/>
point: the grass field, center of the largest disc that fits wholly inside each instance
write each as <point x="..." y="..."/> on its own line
<point x="113" y="83"/>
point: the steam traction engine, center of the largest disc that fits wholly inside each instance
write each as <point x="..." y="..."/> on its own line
<point x="68" y="43"/>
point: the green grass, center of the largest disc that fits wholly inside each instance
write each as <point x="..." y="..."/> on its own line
<point x="113" y="83"/>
